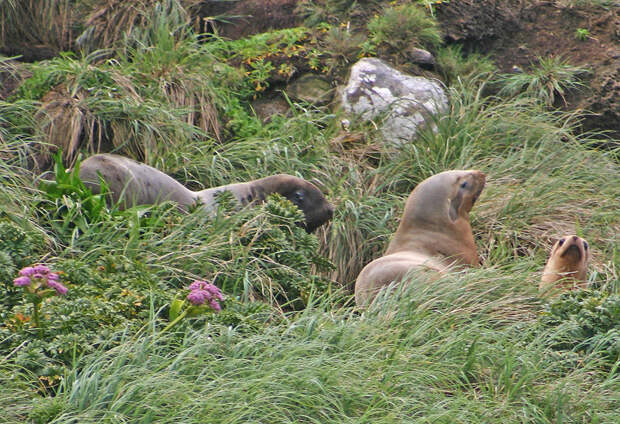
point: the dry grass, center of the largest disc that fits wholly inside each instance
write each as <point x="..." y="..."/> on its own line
<point x="39" y="23"/>
<point x="111" y="22"/>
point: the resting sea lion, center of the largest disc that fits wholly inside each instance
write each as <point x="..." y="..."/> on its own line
<point x="135" y="183"/>
<point x="567" y="264"/>
<point x="434" y="232"/>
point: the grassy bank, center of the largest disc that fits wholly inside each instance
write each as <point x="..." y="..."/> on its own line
<point x="288" y="346"/>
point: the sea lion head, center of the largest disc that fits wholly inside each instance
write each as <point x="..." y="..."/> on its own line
<point x="445" y="198"/>
<point x="305" y="195"/>
<point x="568" y="260"/>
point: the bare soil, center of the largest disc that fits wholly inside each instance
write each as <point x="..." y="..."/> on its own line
<point x="517" y="33"/>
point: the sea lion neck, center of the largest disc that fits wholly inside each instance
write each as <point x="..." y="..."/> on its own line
<point x="276" y="183"/>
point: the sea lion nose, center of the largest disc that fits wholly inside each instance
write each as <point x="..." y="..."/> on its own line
<point x="330" y="211"/>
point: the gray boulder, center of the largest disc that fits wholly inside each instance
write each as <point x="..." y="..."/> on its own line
<point x="405" y="101"/>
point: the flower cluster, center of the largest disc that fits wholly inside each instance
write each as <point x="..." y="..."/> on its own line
<point x="201" y="292"/>
<point x="39" y="276"/>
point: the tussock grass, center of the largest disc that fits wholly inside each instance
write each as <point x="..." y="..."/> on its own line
<point x="547" y="81"/>
<point x="40" y="23"/>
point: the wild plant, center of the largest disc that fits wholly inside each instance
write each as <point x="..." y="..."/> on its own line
<point x="404" y="26"/>
<point x="551" y="78"/>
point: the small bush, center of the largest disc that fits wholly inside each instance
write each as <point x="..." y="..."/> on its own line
<point x="589" y="321"/>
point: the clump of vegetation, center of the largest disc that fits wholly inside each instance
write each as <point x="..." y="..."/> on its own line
<point x="588" y="322"/>
<point x="342" y="47"/>
<point x="552" y="77"/>
<point x="402" y="27"/>
<point x="582" y="34"/>
<point x="454" y="65"/>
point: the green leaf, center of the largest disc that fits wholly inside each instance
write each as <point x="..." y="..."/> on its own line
<point x="176" y="306"/>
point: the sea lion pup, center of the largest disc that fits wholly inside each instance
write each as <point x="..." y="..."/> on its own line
<point x="567" y="265"/>
<point x="434" y="232"/>
<point x="136" y="183"/>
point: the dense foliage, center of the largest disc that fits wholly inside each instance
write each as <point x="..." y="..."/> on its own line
<point x="125" y="343"/>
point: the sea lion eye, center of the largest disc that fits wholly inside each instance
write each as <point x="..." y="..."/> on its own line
<point x="561" y="242"/>
<point x="585" y="245"/>
<point x="464" y="184"/>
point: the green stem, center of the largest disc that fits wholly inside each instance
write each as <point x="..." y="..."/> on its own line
<point x="35" y="317"/>
<point x="175" y="321"/>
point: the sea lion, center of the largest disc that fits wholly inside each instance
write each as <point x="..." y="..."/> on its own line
<point x="434" y="232"/>
<point x="134" y="183"/>
<point x="567" y="265"/>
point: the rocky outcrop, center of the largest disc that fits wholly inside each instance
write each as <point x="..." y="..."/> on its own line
<point x="403" y="102"/>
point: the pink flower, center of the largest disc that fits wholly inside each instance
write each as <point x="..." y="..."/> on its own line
<point x="42" y="273"/>
<point x="22" y="281"/>
<point x="216" y="306"/>
<point x="198" y="285"/>
<point x="60" y="289"/>
<point x="215" y="291"/>
<point x="201" y="292"/>
<point x="198" y="297"/>
<point x="27" y="272"/>
<point x="41" y="269"/>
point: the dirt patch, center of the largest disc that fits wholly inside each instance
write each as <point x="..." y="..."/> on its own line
<point x="12" y="73"/>
<point x="239" y="19"/>
<point x="515" y="34"/>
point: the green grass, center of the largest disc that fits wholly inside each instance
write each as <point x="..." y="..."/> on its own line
<point x="289" y="346"/>
<point x="459" y="350"/>
<point x="548" y="80"/>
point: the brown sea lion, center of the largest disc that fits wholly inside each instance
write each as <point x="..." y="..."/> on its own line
<point x="567" y="265"/>
<point x="135" y="183"/>
<point x="434" y="232"/>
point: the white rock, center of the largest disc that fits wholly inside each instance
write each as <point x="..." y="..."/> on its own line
<point x="375" y="88"/>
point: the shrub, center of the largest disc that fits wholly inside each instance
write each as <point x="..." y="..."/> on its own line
<point x="589" y="321"/>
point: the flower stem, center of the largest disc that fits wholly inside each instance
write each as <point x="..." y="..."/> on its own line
<point x="175" y="321"/>
<point x="35" y="317"/>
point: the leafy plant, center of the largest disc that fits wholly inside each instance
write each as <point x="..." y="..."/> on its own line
<point x="73" y="206"/>
<point x="582" y="34"/>
<point x="589" y="320"/>
<point x="18" y="246"/>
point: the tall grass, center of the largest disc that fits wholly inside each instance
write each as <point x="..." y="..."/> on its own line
<point x="459" y="350"/>
<point x="466" y="348"/>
